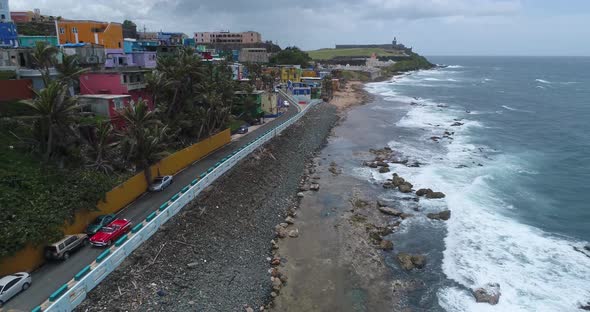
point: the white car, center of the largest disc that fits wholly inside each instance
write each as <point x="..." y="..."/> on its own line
<point x="286" y="103"/>
<point x="160" y="183"/>
<point x="11" y="285"/>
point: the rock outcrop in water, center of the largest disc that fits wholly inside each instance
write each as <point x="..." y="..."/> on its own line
<point x="430" y="194"/>
<point x="409" y="262"/>
<point x="443" y="215"/>
<point x="489" y="293"/>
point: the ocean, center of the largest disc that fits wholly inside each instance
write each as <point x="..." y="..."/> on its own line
<point x="515" y="171"/>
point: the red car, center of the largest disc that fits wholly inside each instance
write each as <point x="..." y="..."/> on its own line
<point x="110" y="233"/>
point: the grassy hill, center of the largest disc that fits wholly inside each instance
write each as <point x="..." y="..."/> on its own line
<point x="327" y="54"/>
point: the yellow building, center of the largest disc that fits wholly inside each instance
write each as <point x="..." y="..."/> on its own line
<point x="109" y="35"/>
<point x="292" y="74"/>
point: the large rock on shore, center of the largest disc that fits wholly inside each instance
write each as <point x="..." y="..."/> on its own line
<point x="586" y="307"/>
<point x="383" y="170"/>
<point x="422" y="192"/>
<point x="443" y="215"/>
<point x="397" y="180"/>
<point x="489" y="293"/>
<point x="409" y="262"/>
<point x="386" y="245"/>
<point x="435" y="195"/>
<point x="390" y="211"/>
<point x="406" y="187"/>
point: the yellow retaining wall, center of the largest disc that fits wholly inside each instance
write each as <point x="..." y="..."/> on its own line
<point x="31" y="257"/>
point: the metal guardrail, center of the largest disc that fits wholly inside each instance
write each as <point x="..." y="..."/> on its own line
<point x="71" y="294"/>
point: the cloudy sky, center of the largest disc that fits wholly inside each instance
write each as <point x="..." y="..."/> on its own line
<point x="432" y="27"/>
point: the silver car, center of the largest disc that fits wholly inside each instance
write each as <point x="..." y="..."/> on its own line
<point x="11" y="285"/>
<point x="160" y="183"/>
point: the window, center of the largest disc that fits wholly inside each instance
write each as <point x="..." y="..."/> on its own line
<point x="119" y="43"/>
<point x="70" y="240"/>
<point x="11" y="283"/>
<point x="3" y="16"/>
<point x="118" y="104"/>
<point x="75" y="30"/>
<point x="124" y="78"/>
<point x="61" y="246"/>
<point x="62" y="30"/>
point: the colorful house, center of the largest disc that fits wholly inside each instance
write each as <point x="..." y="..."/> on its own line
<point x="270" y="104"/>
<point x="118" y="58"/>
<point x="106" y="105"/>
<point x="8" y="35"/>
<point x="117" y="82"/>
<point x="109" y="35"/>
<point x="290" y="73"/>
<point x="31" y="41"/>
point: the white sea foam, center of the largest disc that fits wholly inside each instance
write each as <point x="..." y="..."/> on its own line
<point x="516" y="109"/>
<point x="454" y="66"/>
<point x="536" y="270"/>
<point x="542" y="81"/>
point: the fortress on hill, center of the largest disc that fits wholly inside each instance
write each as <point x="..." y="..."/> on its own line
<point x="393" y="46"/>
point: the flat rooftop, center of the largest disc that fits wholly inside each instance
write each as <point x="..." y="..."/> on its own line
<point x="104" y="96"/>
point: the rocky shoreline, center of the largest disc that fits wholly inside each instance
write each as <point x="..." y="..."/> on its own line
<point x="216" y="255"/>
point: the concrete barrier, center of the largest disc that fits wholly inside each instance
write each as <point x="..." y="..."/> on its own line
<point x="67" y="297"/>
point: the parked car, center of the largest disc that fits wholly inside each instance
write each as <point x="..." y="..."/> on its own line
<point x="98" y="223"/>
<point x="110" y="233"/>
<point x="160" y="183"/>
<point x="11" y="285"/>
<point x="64" y="248"/>
<point x="242" y="129"/>
<point x="286" y="103"/>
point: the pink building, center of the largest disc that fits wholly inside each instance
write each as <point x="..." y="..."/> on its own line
<point x="228" y="37"/>
<point x="120" y="82"/>
<point x="106" y="105"/>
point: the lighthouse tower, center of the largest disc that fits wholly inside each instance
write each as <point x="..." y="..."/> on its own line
<point x="4" y="11"/>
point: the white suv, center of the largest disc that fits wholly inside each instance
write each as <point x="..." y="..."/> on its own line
<point x="11" y="285"/>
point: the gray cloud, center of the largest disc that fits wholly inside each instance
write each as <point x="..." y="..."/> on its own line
<point x="312" y="24"/>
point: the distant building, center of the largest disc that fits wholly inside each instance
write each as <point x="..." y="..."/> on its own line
<point x="88" y="54"/>
<point x="22" y="16"/>
<point x="107" y="34"/>
<point x="171" y="38"/>
<point x="8" y="34"/>
<point x="290" y="73"/>
<point x="4" y="11"/>
<point x="228" y="37"/>
<point x="253" y="55"/>
<point x="106" y="105"/>
<point x="118" y="58"/>
<point x="31" y="41"/>
<point x="121" y="81"/>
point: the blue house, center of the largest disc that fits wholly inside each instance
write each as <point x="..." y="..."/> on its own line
<point x="8" y="35"/>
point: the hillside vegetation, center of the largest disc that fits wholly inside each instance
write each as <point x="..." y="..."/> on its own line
<point x="327" y="54"/>
<point x="414" y="62"/>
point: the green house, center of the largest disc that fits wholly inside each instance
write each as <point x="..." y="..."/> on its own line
<point x="31" y="41"/>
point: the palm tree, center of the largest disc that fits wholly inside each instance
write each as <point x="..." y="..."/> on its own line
<point x="54" y="111"/>
<point x="44" y="57"/>
<point x="143" y="140"/>
<point x="100" y="144"/>
<point x="69" y="70"/>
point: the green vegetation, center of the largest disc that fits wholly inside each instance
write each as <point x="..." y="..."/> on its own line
<point x="346" y="75"/>
<point x="7" y="74"/>
<point x="415" y="62"/>
<point x="55" y="160"/>
<point x="328" y="54"/>
<point x="36" y="198"/>
<point x="291" y="56"/>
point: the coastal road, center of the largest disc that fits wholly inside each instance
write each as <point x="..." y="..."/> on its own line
<point x="52" y="275"/>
